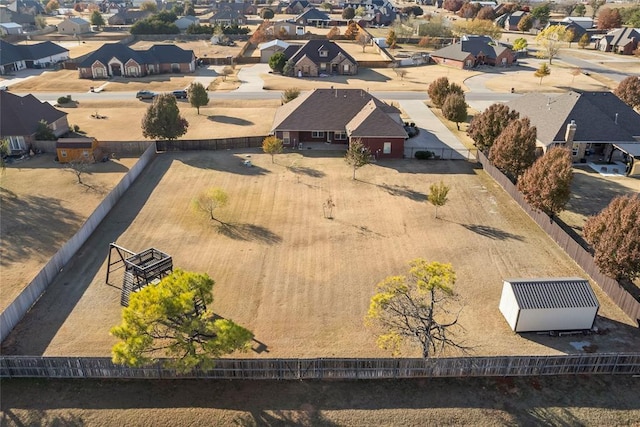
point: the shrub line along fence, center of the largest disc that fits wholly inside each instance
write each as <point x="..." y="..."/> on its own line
<point x="297" y="369"/>
<point x="620" y="296"/>
<point x="11" y="315"/>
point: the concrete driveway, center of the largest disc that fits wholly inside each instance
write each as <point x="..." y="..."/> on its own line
<point x="249" y="77"/>
<point x="434" y="136"/>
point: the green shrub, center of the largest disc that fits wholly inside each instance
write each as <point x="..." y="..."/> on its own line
<point x="424" y="155"/>
<point x="64" y="99"/>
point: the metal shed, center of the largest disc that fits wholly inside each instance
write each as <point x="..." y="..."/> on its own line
<point x="555" y="304"/>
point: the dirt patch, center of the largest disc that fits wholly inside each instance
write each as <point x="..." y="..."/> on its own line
<point x="42" y="206"/>
<point x="201" y="48"/>
<point x="300" y="281"/>
<point x="570" y="400"/>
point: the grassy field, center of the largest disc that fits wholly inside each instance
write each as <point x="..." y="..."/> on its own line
<point x="534" y="401"/>
<point x="300" y="281"/>
<point x="42" y="206"/>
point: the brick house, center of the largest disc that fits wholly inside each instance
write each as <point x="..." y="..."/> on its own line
<point x="321" y="57"/>
<point x="115" y="59"/>
<point x="472" y="51"/>
<point x="338" y="116"/>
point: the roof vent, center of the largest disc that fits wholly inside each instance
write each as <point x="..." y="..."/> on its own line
<point x="616" y="119"/>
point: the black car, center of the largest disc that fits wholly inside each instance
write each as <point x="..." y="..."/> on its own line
<point x="145" y="94"/>
<point x="180" y="94"/>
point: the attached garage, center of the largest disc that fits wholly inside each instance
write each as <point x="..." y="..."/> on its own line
<point x="562" y="304"/>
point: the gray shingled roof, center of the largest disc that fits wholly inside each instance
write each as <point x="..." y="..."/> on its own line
<point x="371" y="121"/>
<point x="593" y="112"/>
<point x="473" y="45"/>
<point x="313" y="14"/>
<point x="534" y="294"/>
<point x="327" y="109"/>
<point x="19" y="115"/>
<point x="155" y="54"/>
<point x="312" y="49"/>
<point x="10" y="53"/>
<point x="622" y="36"/>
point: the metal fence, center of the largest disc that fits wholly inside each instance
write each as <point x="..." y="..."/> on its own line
<point x="443" y="153"/>
<point x="210" y="144"/>
<point x="290" y="369"/>
<point x="620" y="296"/>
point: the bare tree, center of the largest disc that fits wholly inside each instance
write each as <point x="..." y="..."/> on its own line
<point x="79" y="167"/>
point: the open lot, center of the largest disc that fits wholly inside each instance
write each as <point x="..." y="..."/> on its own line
<point x="568" y="401"/>
<point x="300" y="281"/>
<point x="42" y="206"/>
<point x="201" y="48"/>
<point x="221" y="119"/>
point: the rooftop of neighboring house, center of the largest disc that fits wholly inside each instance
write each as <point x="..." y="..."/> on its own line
<point x="10" y="53"/>
<point x="20" y="115"/>
<point x="599" y="116"/>
<point x="313" y="48"/>
<point x="159" y="53"/>
<point x="473" y="45"/>
<point x="332" y="109"/>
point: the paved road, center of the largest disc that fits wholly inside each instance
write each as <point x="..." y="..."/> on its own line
<point x="592" y="67"/>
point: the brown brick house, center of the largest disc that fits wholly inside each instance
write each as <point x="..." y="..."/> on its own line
<point x="473" y="51"/>
<point x="321" y="57"/>
<point x="338" y="116"/>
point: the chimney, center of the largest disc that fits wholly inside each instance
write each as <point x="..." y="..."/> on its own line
<point x="570" y="133"/>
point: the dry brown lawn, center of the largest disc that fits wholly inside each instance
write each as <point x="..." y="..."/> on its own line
<point x="201" y="48"/>
<point x="221" y="119"/>
<point x="41" y="207"/>
<point x="570" y="400"/>
<point x="302" y="282"/>
<point x="56" y="81"/>
<point x="378" y="79"/>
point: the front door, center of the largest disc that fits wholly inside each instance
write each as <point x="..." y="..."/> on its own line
<point x="116" y="70"/>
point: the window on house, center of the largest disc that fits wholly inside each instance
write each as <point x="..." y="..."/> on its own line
<point x="574" y="150"/>
<point x="16" y="143"/>
<point x="323" y="66"/>
<point x="340" y="135"/>
<point x="387" y="148"/>
<point x="175" y="68"/>
<point x="345" y="68"/>
<point x="324" y="53"/>
<point x="286" y="138"/>
<point x="317" y="134"/>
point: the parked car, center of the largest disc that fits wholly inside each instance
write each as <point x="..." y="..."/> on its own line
<point x="145" y="94"/>
<point x="180" y="94"/>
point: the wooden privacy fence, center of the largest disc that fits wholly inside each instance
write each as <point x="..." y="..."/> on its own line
<point x="296" y="369"/>
<point x="620" y="296"/>
<point x="210" y="144"/>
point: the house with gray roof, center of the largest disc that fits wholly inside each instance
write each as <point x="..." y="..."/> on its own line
<point x="116" y="59"/>
<point x="128" y="17"/>
<point x="472" y="51"/>
<point x="320" y="56"/>
<point x="186" y="21"/>
<point x="622" y="40"/>
<point x="39" y="55"/>
<point x="339" y="116"/>
<point x="74" y="26"/>
<point x="19" y="119"/>
<point x="313" y="17"/>
<point x="510" y="21"/>
<point x="228" y="15"/>
<point x="589" y="122"/>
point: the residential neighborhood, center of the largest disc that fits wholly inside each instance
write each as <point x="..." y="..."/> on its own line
<point x="388" y="212"/>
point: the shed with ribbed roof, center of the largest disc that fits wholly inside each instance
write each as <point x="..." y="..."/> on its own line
<point x="554" y="304"/>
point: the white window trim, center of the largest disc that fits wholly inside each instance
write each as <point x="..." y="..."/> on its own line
<point x="317" y="134"/>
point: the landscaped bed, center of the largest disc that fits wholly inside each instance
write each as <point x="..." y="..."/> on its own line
<point x="302" y="282"/>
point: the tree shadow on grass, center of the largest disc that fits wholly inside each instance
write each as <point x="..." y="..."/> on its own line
<point x="307" y="415"/>
<point x="230" y="120"/>
<point x="33" y="224"/>
<point x="303" y="170"/>
<point x="403" y="191"/>
<point x="249" y="233"/>
<point x="492" y="232"/>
